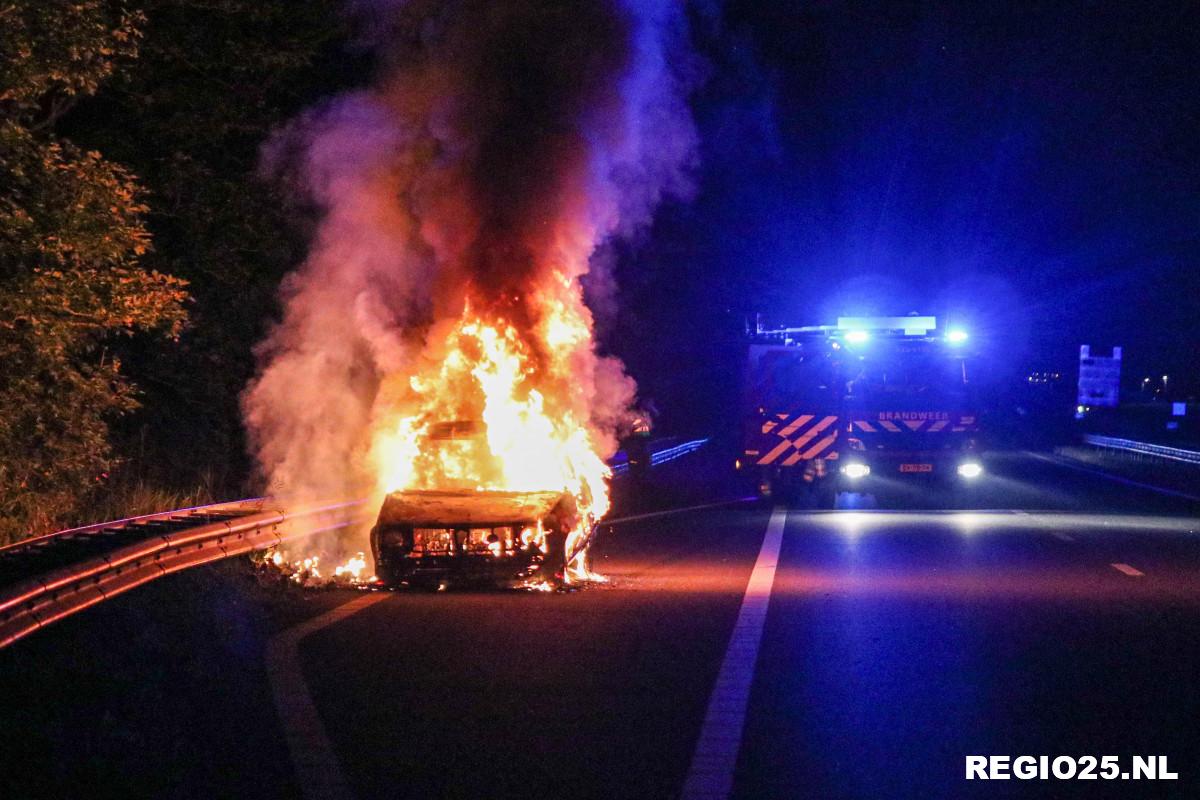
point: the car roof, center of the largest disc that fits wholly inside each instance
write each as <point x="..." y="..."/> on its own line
<point x="467" y="508"/>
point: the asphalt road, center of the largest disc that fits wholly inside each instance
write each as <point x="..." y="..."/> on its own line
<point x="1050" y="612"/>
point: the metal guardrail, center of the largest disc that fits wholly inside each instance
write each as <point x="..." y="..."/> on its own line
<point x="47" y="578"/>
<point x="662" y="456"/>
<point x="679" y="450"/>
<point x="1144" y="448"/>
<point x="50" y="577"/>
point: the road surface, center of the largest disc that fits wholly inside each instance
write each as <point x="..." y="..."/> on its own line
<point x="1053" y="612"/>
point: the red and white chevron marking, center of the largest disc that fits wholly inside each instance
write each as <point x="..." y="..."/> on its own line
<point x="897" y="424"/>
<point x="802" y="437"/>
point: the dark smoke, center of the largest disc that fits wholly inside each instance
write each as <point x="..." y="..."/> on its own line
<point x="498" y="146"/>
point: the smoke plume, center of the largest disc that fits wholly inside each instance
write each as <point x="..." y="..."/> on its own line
<point x="500" y="143"/>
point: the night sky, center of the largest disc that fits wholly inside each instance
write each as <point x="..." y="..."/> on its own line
<point x="1032" y="170"/>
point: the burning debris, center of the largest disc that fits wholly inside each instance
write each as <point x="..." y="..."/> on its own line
<point x="461" y="199"/>
<point x="307" y="572"/>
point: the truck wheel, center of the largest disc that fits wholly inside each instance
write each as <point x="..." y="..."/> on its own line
<point x="765" y="489"/>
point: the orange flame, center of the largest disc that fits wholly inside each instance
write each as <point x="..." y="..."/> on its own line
<point x="536" y="435"/>
<point x="460" y="208"/>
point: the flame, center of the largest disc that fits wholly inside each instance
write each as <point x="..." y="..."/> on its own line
<point x="306" y="570"/>
<point x="519" y="388"/>
<point x="353" y="569"/>
<point x="459" y="209"/>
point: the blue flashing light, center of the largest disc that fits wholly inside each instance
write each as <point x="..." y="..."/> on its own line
<point x="956" y="336"/>
<point x="857" y="337"/>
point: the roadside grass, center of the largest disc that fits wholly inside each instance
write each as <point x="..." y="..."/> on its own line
<point x="116" y="500"/>
<point x="139" y="498"/>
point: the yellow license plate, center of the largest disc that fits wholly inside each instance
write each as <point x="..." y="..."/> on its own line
<point x="916" y="467"/>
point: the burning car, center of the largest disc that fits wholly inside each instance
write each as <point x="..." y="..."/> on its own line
<point x="429" y="538"/>
<point x="432" y="538"/>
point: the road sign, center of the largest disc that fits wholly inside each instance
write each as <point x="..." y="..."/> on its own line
<point x="1099" y="378"/>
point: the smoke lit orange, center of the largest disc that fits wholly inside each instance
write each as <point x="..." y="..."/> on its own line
<point x="461" y="201"/>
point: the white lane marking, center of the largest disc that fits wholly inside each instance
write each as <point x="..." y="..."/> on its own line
<point x="1066" y="537"/>
<point x="1128" y="570"/>
<point x="710" y="776"/>
<point x="670" y="511"/>
<point x="317" y="767"/>
<point x="1062" y="462"/>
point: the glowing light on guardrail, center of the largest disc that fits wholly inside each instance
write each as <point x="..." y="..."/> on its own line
<point x="1145" y="448"/>
<point x="665" y="455"/>
<point x="672" y="453"/>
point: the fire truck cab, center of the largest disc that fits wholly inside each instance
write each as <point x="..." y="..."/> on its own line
<point x="871" y="399"/>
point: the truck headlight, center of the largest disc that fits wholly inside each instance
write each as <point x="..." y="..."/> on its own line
<point x="855" y="471"/>
<point x="970" y="469"/>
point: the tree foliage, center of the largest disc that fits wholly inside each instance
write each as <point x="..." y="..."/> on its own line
<point x="72" y="285"/>
<point x="212" y="81"/>
<point x="182" y="94"/>
<point x="52" y="52"/>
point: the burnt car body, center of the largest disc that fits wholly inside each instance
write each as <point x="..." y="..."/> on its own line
<point x="430" y="539"/>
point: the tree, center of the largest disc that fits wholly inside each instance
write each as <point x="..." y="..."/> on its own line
<point x="72" y="235"/>
<point x="212" y="80"/>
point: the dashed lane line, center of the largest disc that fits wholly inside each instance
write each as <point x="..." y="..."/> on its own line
<point x="1066" y="537"/>
<point x="710" y="776"/>
<point x="317" y="768"/>
<point x="1128" y="570"/>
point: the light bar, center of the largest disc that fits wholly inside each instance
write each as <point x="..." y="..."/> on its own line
<point x="912" y="326"/>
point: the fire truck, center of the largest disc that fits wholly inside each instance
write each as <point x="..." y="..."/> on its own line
<point x="860" y="403"/>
